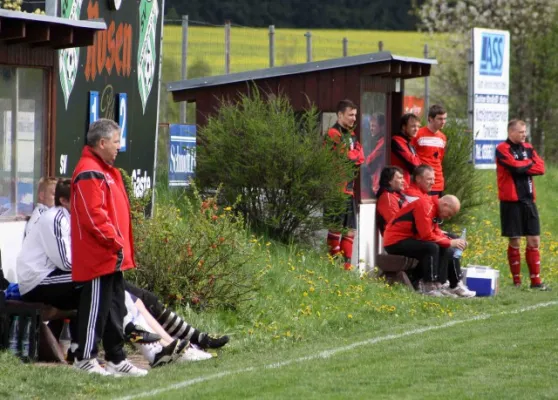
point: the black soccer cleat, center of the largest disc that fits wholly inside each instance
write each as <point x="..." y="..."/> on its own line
<point x="137" y="334"/>
<point x="165" y="356"/>
<point x="542" y="287"/>
<point x="213" y="343"/>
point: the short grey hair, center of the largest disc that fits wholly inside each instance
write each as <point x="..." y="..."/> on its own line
<point x="103" y="128"/>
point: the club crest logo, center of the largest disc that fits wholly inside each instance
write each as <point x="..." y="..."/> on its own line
<point x="68" y="59"/>
<point x="147" y="54"/>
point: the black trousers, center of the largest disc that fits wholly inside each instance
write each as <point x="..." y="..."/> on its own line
<point x="58" y="290"/>
<point x="151" y="302"/>
<point x="101" y="314"/>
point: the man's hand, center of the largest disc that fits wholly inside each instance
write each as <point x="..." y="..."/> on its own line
<point x="459" y="243"/>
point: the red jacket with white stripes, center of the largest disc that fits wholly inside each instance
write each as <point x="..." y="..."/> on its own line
<point x="389" y="203"/>
<point x="404" y="155"/>
<point x="413" y="192"/>
<point x="516" y="164"/>
<point x="417" y="220"/>
<point x="431" y="148"/>
<point x="102" y="241"/>
<point x="346" y="142"/>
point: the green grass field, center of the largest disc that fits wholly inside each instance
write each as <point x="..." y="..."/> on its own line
<point x="316" y="331"/>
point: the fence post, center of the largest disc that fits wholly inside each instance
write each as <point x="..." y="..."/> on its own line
<point x="345" y="47"/>
<point x="426" y="85"/>
<point x="227" y="47"/>
<point x="308" y="46"/>
<point x="184" y="73"/>
<point x="271" y="46"/>
<point x="380" y="46"/>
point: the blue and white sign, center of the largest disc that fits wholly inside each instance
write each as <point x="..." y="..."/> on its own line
<point x="123" y="119"/>
<point x="491" y="84"/>
<point x="94" y="106"/>
<point x="182" y="154"/>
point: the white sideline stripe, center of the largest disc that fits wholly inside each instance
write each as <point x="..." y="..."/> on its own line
<point x="332" y="352"/>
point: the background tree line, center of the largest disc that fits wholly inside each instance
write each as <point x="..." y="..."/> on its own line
<point x="331" y="14"/>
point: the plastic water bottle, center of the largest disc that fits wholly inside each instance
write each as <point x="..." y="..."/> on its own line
<point x="458" y="252"/>
<point x="25" y="343"/>
<point x="14" y="337"/>
<point x="65" y="338"/>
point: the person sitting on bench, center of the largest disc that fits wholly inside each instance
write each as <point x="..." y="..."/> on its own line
<point x="45" y="200"/>
<point x="390" y="198"/>
<point x="414" y="232"/>
<point x="422" y="180"/>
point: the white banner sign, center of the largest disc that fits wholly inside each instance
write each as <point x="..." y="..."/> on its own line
<point x="491" y="85"/>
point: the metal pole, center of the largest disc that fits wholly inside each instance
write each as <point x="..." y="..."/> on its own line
<point x="470" y="89"/>
<point x="345" y="47"/>
<point x="227" y="47"/>
<point x="381" y="46"/>
<point x="184" y="105"/>
<point x="272" y="45"/>
<point x="426" y="86"/>
<point x="308" y="46"/>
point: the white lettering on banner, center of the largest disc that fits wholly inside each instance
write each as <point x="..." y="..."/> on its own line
<point x="63" y="164"/>
<point x="490" y="99"/>
<point x="488" y="115"/>
<point x="182" y="163"/>
<point x="140" y="184"/>
<point x="485" y="151"/>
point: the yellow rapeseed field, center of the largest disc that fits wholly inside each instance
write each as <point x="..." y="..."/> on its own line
<point x="250" y="46"/>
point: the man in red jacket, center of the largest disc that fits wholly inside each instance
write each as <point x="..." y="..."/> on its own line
<point x="414" y="232"/>
<point x="102" y="247"/>
<point x="422" y="180"/>
<point x="516" y="164"/>
<point x="390" y="198"/>
<point x="430" y="144"/>
<point x="403" y="153"/>
<point x="343" y="138"/>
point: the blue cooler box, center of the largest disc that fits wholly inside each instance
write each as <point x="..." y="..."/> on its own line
<point x="483" y="280"/>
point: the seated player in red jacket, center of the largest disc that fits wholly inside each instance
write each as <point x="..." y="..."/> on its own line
<point x="422" y="180"/>
<point x="414" y="232"/>
<point x="403" y="153"/>
<point x="390" y="198"/>
<point x="516" y="164"/>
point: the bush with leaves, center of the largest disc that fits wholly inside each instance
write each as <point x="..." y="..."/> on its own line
<point x="462" y="180"/>
<point x="275" y="162"/>
<point x="192" y="252"/>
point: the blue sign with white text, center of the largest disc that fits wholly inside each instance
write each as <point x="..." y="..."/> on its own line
<point x="182" y="154"/>
<point x="485" y="151"/>
<point x="492" y="54"/>
<point x="93" y="106"/>
<point x="123" y="119"/>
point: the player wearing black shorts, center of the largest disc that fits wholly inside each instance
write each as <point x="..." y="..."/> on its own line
<point x="516" y="164"/>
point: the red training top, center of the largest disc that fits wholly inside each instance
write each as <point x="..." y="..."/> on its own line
<point x="404" y="155"/>
<point x="348" y="144"/>
<point x="430" y="148"/>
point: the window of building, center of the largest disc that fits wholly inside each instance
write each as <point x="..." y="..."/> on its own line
<point x="22" y="133"/>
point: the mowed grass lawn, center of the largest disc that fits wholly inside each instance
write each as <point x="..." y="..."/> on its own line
<point x="296" y="338"/>
<point x="250" y="46"/>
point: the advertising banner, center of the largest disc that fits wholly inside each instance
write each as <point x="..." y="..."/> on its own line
<point x="182" y="154"/>
<point x="491" y="83"/>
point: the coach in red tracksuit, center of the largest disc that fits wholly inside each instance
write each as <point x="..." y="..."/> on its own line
<point x="516" y="164"/>
<point x="102" y="247"/>
<point x="403" y="153"/>
<point x="342" y="138"/>
<point x="390" y="198"/>
<point x="414" y="232"/>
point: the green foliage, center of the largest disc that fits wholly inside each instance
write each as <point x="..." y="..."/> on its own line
<point x="462" y="180"/>
<point x="274" y="162"/>
<point x="191" y="252"/>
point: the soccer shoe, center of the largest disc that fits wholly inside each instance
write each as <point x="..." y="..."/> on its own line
<point x="91" y="366"/>
<point x="429" y="289"/>
<point x="213" y="343"/>
<point x="462" y="291"/>
<point x="195" y="354"/>
<point x="180" y="349"/>
<point x="164" y="355"/>
<point x="542" y="287"/>
<point x="137" y="334"/>
<point x="125" y="368"/>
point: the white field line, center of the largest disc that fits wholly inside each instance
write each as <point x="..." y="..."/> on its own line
<point x="329" y="353"/>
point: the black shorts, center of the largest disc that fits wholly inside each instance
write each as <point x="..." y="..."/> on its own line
<point x="519" y="219"/>
<point x="345" y="220"/>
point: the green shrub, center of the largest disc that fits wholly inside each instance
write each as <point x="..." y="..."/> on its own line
<point x="191" y="252"/>
<point x="462" y="180"/>
<point x="274" y="161"/>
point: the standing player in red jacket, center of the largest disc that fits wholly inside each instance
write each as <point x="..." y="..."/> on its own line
<point x="102" y="247"/>
<point x="516" y="164"/>
<point x="430" y="144"/>
<point x="343" y="139"/>
<point x="403" y="153"/>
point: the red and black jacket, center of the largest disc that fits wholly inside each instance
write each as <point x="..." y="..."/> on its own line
<point x="389" y="203"/>
<point x="416" y="220"/>
<point x="346" y="141"/>
<point x="404" y="155"/>
<point x="516" y="164"/>
<point x="413" y="192"/>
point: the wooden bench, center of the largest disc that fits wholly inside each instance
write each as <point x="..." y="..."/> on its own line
<point x="394" y="268"/>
